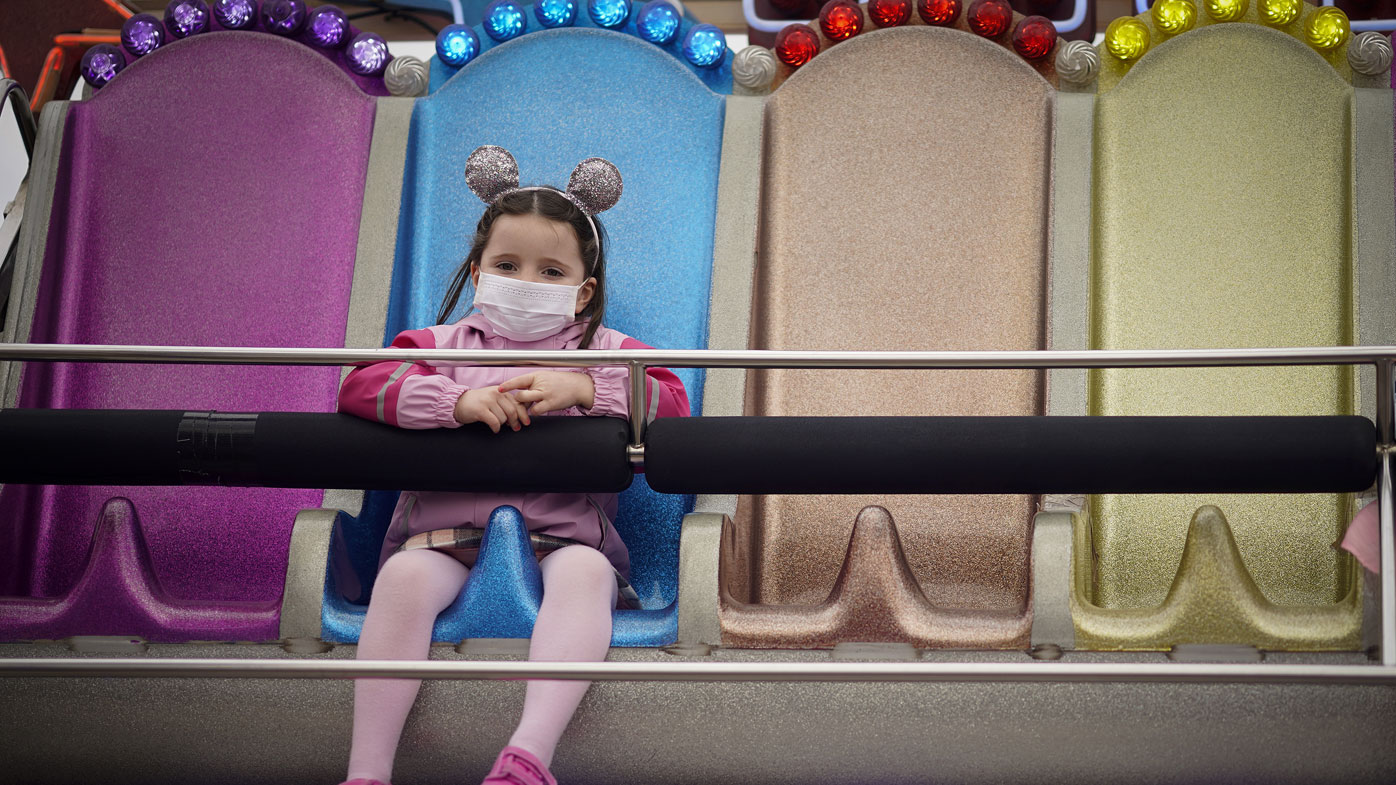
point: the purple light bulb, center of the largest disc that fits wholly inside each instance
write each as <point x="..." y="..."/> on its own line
<point x="101" y="63"/>
<point x="367" y="54"/>
<point x="184" y="18"/>
<point x="142" y="34"/>
<point x="235" y="14"/>
<point x="283" y="17"/>
<point x="328" y="26"/>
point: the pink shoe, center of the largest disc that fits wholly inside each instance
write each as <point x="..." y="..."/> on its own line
<point x="518" y="766"/>
<point x="362" y="781"/>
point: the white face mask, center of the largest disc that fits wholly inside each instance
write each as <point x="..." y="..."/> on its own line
<point x="524" y="310"/>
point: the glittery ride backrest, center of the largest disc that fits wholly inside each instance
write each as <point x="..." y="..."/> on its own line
<point x="209" y="195"/>
<point x="1223" y="179"/>
<point x="554" y="98"/>
<point x="905" y="200"/>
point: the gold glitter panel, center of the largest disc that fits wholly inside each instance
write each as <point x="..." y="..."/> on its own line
<point x="1222" y="195"/>
<point x="1213" y="599"/>
<point x="1148" y="36"/>
<point x="904" y="206"/>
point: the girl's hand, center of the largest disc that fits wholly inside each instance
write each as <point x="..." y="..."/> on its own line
<point x="551" y="391"/>
<point x="491" y="407"/>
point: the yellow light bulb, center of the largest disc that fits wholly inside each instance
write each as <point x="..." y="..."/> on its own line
<point x="1127" y="38"/>
<point x="1327" y="29"/>
<point x="1226" y="10"/>
<point x="1278" y="13"/>
<point x="1174" y="16"/>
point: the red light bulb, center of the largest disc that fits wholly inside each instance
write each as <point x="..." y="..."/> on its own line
<point x="990" y="18"/>
<point x="841" y="20"/>
<point x="1034" y="37"/>
<point x="796" y="45"/>
<point x="940" y="13"/>
<point x="889" y="13"/>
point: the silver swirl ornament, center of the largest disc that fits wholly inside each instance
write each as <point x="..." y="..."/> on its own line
<point x="406" y="76"/>
<point x="1370" y="54"/>
<point x="754" y="68"/>
<point x="1078" y="63"/>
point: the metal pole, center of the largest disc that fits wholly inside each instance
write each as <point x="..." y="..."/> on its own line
<point x="1386" y="441"/>
<point x="701" y="671"/>
<point x="700" y="358"/>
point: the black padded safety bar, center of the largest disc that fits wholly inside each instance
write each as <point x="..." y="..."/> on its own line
<point x="304" y="450"/>
<point x="696" y="455"/>
<point x="1010" y="454"/>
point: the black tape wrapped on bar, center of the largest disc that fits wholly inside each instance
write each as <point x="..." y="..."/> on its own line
<point x="304" y="450"/>
<point x="1010" y="454"/>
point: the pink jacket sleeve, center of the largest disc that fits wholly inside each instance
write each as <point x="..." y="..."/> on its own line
<point x="404" y="394"/>
<point x="1363" y="538"/>
<point x="664" y="393"/>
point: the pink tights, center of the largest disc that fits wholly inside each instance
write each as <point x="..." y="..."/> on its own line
<point x="574" y="624"/>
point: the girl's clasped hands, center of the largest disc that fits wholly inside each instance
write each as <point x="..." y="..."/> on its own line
<point x="514" y="401"/>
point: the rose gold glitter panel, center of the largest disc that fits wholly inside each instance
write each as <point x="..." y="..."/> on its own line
<point x="905" y="206"/>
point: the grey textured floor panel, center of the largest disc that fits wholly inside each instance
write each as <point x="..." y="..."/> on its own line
<point x="149" y="731"/>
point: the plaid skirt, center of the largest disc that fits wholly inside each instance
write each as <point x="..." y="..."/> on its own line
<point x="464" y="544"/>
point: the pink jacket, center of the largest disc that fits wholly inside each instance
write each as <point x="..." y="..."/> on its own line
<point x="410" y="395"/>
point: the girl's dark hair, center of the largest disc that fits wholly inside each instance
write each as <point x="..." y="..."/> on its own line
<point x="552" y="205"/>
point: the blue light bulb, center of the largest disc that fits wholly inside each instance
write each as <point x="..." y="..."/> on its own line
<point x="609" y="13"/>
<point x="657" y="22"/>
<point x="504" y="19"/>
<point x="457" y="45"/>
<point x="556" y="13"/>
<point x="704" y="46"/>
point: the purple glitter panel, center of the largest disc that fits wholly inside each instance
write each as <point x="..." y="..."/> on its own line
<point x="246" y="238"/>
<point x="142" y="34"/>
<point x="328" y="27"/>
<point x="184" y="18"/>
<point x="235" y="14"/>
<point x="367" y="54"/>
<point x="283" y="17"/>
<point x="101" y="63"/>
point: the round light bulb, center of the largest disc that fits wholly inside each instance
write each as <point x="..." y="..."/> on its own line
<point x="1226" y="10"/>
<point x="1174" y="16"/>
<point x="841" y="20"/>
<point x="1278" y="13"/>
<point x="1327" y="29"/>
<point x="1127" y="39"/>
<point x="796" y="45"/>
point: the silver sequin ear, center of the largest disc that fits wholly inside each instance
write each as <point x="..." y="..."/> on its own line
<point x="595" y="185"/>
<point x="491" y="171"/>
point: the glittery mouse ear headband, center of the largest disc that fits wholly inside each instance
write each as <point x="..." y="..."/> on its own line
<point x="594" y="186"/>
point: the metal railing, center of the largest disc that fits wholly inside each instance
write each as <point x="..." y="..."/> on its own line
<point x="1383" y="358"/>
<point x="1046" y="672"/>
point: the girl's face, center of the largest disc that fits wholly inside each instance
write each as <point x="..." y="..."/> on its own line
<point x="534" y="248"/>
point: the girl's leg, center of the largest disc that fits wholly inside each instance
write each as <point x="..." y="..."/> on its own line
<point x="412" y="588"/>
<point x="574" y="625"/>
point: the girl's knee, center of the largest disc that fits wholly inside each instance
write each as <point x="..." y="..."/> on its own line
<point x="420" y="578"/>
<point x="578" y="565"/>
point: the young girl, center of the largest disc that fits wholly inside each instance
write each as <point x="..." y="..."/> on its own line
<point x="538" y="267"/>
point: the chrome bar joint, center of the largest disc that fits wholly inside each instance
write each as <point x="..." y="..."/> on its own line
<point x="637" y="405"/>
